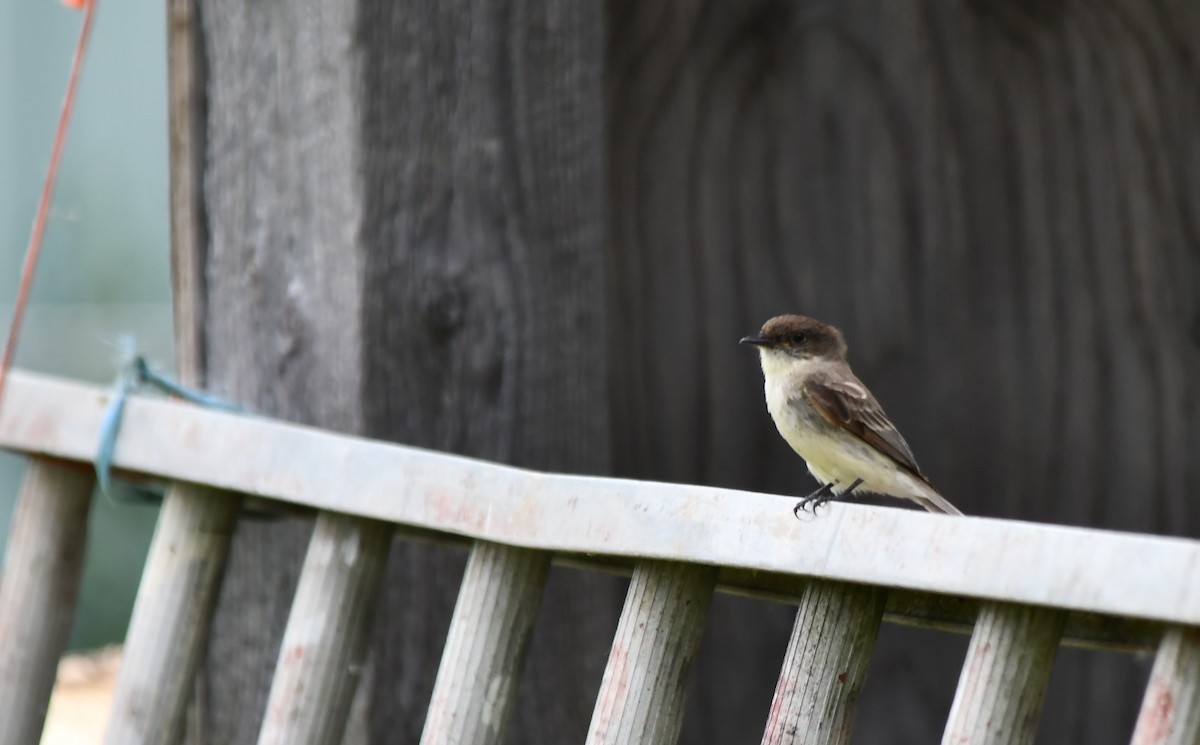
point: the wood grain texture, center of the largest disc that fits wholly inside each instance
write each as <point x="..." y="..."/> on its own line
<point x="999" y="205"/>
<point x="186" y="113"/>
<point x="406" y="215"/>
<point x="1003" y="683"/>
<point x="323" y="655"/>
<point x="752" y="536"/>
<point x="43" y="564"/>
<point x="825" y="665"/>
<point x="1170" y="713"/>
<point x="996" y="202"/>
<point x="482" y="660"/>
<point x="168" y="632"/>
<point x="642" y="695"/>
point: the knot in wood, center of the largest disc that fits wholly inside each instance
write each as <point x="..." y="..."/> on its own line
<point x="442" y="301"/>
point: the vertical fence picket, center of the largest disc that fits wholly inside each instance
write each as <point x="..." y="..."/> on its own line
<point x="642" y="693"/>
<point x="42" y="567"/>
<point x="825" y="665"/>
<point x="168" y="633"/>
<point x="324" y="645"/>
<point x="1003" y="681"/>
<point x="1170" y="713"/>
<point x="481" y="662"/>
<point x="1001" y="687"/>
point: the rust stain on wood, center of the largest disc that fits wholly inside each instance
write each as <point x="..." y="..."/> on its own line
<point x="1156" y="719"/>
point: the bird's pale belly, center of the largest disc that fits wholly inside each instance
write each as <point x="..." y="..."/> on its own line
<point x="833" y="455"/>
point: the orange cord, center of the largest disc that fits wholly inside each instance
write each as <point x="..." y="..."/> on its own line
<point x="39" y="223"/>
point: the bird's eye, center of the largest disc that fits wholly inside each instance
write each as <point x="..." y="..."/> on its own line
<point x="798" y="337"/>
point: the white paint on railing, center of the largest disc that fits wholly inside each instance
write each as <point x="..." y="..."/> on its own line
<point x="1105" y="572"/>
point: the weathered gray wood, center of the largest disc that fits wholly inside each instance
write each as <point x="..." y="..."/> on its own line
<point x="992" y="198"/>
<point x="481" y="664"/>
<point x="826" y="664"/>
<point x="1170" y="712"/>
<point x="998" y="202"/>
<point x="43" y="563"/>
<point x="1003" y="683"/>
<point x="406" y="204"/>
<point x="168" y="632"/>
<point x="1071" y="568"/>
<point x="642" y="694"/>
<point x="186" y="111"/>
<point x="324" y="646"/>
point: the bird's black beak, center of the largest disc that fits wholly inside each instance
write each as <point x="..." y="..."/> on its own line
<point x="757" y="341"/>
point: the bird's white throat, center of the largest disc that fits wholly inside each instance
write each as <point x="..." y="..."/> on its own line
<point x="780" y="366"/>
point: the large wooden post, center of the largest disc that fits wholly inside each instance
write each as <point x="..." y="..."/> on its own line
<point x="405" y="220"/>
<point x="535" y="232"/>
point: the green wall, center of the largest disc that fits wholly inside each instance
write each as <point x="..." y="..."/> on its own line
<point x="104" y="268"/>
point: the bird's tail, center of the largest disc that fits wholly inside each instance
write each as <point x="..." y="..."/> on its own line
<point x="934" y="502"/>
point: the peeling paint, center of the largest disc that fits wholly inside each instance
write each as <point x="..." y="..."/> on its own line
<point x="1154" y="723"/>
<point x="493" y="700"/>
<point x="350" y="549"/>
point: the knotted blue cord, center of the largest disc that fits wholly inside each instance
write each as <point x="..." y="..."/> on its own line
<point x="136" y="373"/>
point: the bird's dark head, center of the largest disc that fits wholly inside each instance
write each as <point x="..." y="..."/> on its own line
<point x="800" y="337"/>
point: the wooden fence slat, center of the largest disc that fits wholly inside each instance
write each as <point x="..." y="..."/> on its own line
<point x="324" y="644"/>
<point x="1170" y="713"/>
<point x="168" y="632"/>
<point x="645" y="681"/>
<point x="1096" y="571"/>
<point x="42" y="568"/>
<point x="485" y="649"/>
<point x="825" y="665"/>
<point x="1003" y="682"/>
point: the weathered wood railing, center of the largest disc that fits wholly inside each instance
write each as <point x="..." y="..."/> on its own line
<point x="1024" y="588"/>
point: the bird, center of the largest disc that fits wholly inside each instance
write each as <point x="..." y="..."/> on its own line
<point x="832" y="421"/>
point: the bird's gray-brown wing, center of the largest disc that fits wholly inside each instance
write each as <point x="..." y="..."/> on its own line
<point x="847" y="403"/>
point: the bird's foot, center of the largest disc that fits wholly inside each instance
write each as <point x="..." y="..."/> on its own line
<point x="853" y="485"/>
<point x="822" y="496"/>
<point x="816" y="499"/>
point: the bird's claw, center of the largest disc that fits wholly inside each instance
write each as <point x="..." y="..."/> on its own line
<point x="816" y="499"/>
<point x="822" y="496"/>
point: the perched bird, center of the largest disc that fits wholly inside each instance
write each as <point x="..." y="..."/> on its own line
<point x="831" y="420"/>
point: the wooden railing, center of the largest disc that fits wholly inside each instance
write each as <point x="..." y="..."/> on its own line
<point x="1021" y="589"/>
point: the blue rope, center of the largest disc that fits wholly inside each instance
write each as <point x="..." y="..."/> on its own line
<point x="136" y="373"/>
<point x="156" y="379"/>
<point x="110" y="426"/>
